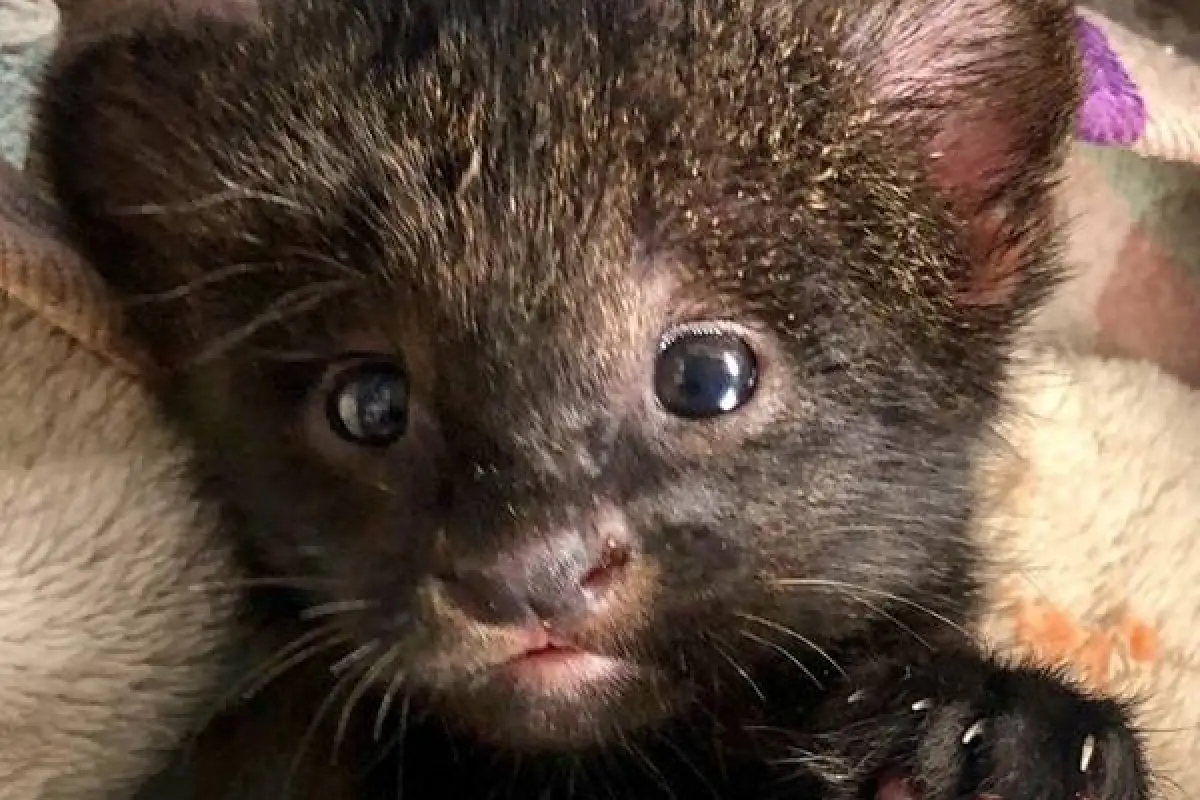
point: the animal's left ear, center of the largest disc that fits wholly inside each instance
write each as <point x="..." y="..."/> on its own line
<point x="990" y="90"/>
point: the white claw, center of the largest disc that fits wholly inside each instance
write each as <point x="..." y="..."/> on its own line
<point x="922" y="705"/>
<point x="859" y="695"/>
<point x="1087" y="752"/>
<point x="973" y="732"/>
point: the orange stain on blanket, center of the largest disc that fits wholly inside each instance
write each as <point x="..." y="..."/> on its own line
<point x="1053" y="636"/>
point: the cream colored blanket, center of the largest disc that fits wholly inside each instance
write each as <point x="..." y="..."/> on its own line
<point x="115" y="598"/>
<point x="1096" y="518"/>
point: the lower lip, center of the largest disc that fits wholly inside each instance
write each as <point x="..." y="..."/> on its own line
<point x="561" y="670"/>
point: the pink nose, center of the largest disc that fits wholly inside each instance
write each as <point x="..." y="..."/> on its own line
<point x="559" y="578"/>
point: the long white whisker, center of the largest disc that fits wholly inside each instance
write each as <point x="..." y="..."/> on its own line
<point x="310" y="731"/>
<point x="687" y="762"/>
<point x="651" y="769"/>
<point x="786" y="631"/>
<point x="294" y="652"/>
<point x="389" y="697"/>
<point x="354" y="657"/>
<point x="268" y="676"/>
<point x="334" y="608"/>
<point x="364" y="684"/>
<point x="401" y="736"/>
<point x="892" y="619"/>
<point x="275" y="581"/>
<point x="785" y="653"/>
<point x="737" y="667"/>
<point x="851" y="588"/>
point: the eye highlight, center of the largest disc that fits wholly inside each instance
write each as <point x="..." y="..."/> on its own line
<point x="704" y="372"/>
<point x="367" y="403"/>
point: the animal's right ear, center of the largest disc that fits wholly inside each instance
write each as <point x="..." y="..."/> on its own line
<point x="989" y="89"/>
<point x="119" y="113"/>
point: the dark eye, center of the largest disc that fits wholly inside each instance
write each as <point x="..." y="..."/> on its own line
<point x="368" y="403"/>
<point x="705" y="373"/>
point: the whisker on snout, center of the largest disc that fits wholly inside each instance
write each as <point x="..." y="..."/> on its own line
<point x="335" y="608"/>
<point x="288" y="657"/>
<point x="369" y="679"/>
<point x="715" y="643"/>
<point x="853" y="590"/>
<point x="385" y="706"/>
<point x="335" y="692"/>
<point x="783" y="651"/>
<point x="792" y="633"/>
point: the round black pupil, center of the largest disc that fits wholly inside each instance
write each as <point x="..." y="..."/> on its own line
<point x="706" y="375"/>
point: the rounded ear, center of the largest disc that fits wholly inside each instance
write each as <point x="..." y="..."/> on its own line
<point x="108" y="134"/>
<point x="991" y="88"/>
<point x="114" y="139"/>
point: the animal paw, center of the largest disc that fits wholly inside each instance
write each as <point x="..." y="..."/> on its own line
<point x="962" y="727"/>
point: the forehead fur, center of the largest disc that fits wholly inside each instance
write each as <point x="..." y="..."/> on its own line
<point x="534" y="122"/>
<point x="505" y="164"/>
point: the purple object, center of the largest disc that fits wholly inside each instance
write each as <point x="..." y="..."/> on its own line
<point x="1114" y="112"/>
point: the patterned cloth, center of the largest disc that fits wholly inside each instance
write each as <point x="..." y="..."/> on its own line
<point x="1105" y="485"/>
<point x="1140" y="95"/>
<point x="1114" y="112"/>
<point x="26" y="36"/>
<point x="1132" y="195"/>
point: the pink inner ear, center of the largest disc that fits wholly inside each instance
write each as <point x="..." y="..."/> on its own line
<point x="972" y="158"/>
<point x="955" y="74"/>
<point x="971" y="162"/>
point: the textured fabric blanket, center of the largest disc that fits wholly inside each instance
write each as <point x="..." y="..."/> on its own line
<point x="1132" y="191"/>
<point x="1095" y="527"/>
<point x="108" y="636"/>
<point x="116" y="598"/>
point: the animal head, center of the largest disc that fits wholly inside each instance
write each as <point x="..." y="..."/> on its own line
<point x="575" y="356"/>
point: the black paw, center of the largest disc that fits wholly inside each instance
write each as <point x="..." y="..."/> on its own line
<point x="963" y="728"/>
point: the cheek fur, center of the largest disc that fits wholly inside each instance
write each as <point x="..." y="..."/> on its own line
<point x="827" y="534"/>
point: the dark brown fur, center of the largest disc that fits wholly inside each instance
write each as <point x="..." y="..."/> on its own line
<point x="518" y="198"/>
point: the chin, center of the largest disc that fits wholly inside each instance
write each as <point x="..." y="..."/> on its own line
<point x="560" y="702"/>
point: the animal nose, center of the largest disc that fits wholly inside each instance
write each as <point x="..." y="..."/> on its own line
<point x="559" y="579"/>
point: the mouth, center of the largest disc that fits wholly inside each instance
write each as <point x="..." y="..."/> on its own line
<point x="553" y="665"/>
<point x="549" y="692"/>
